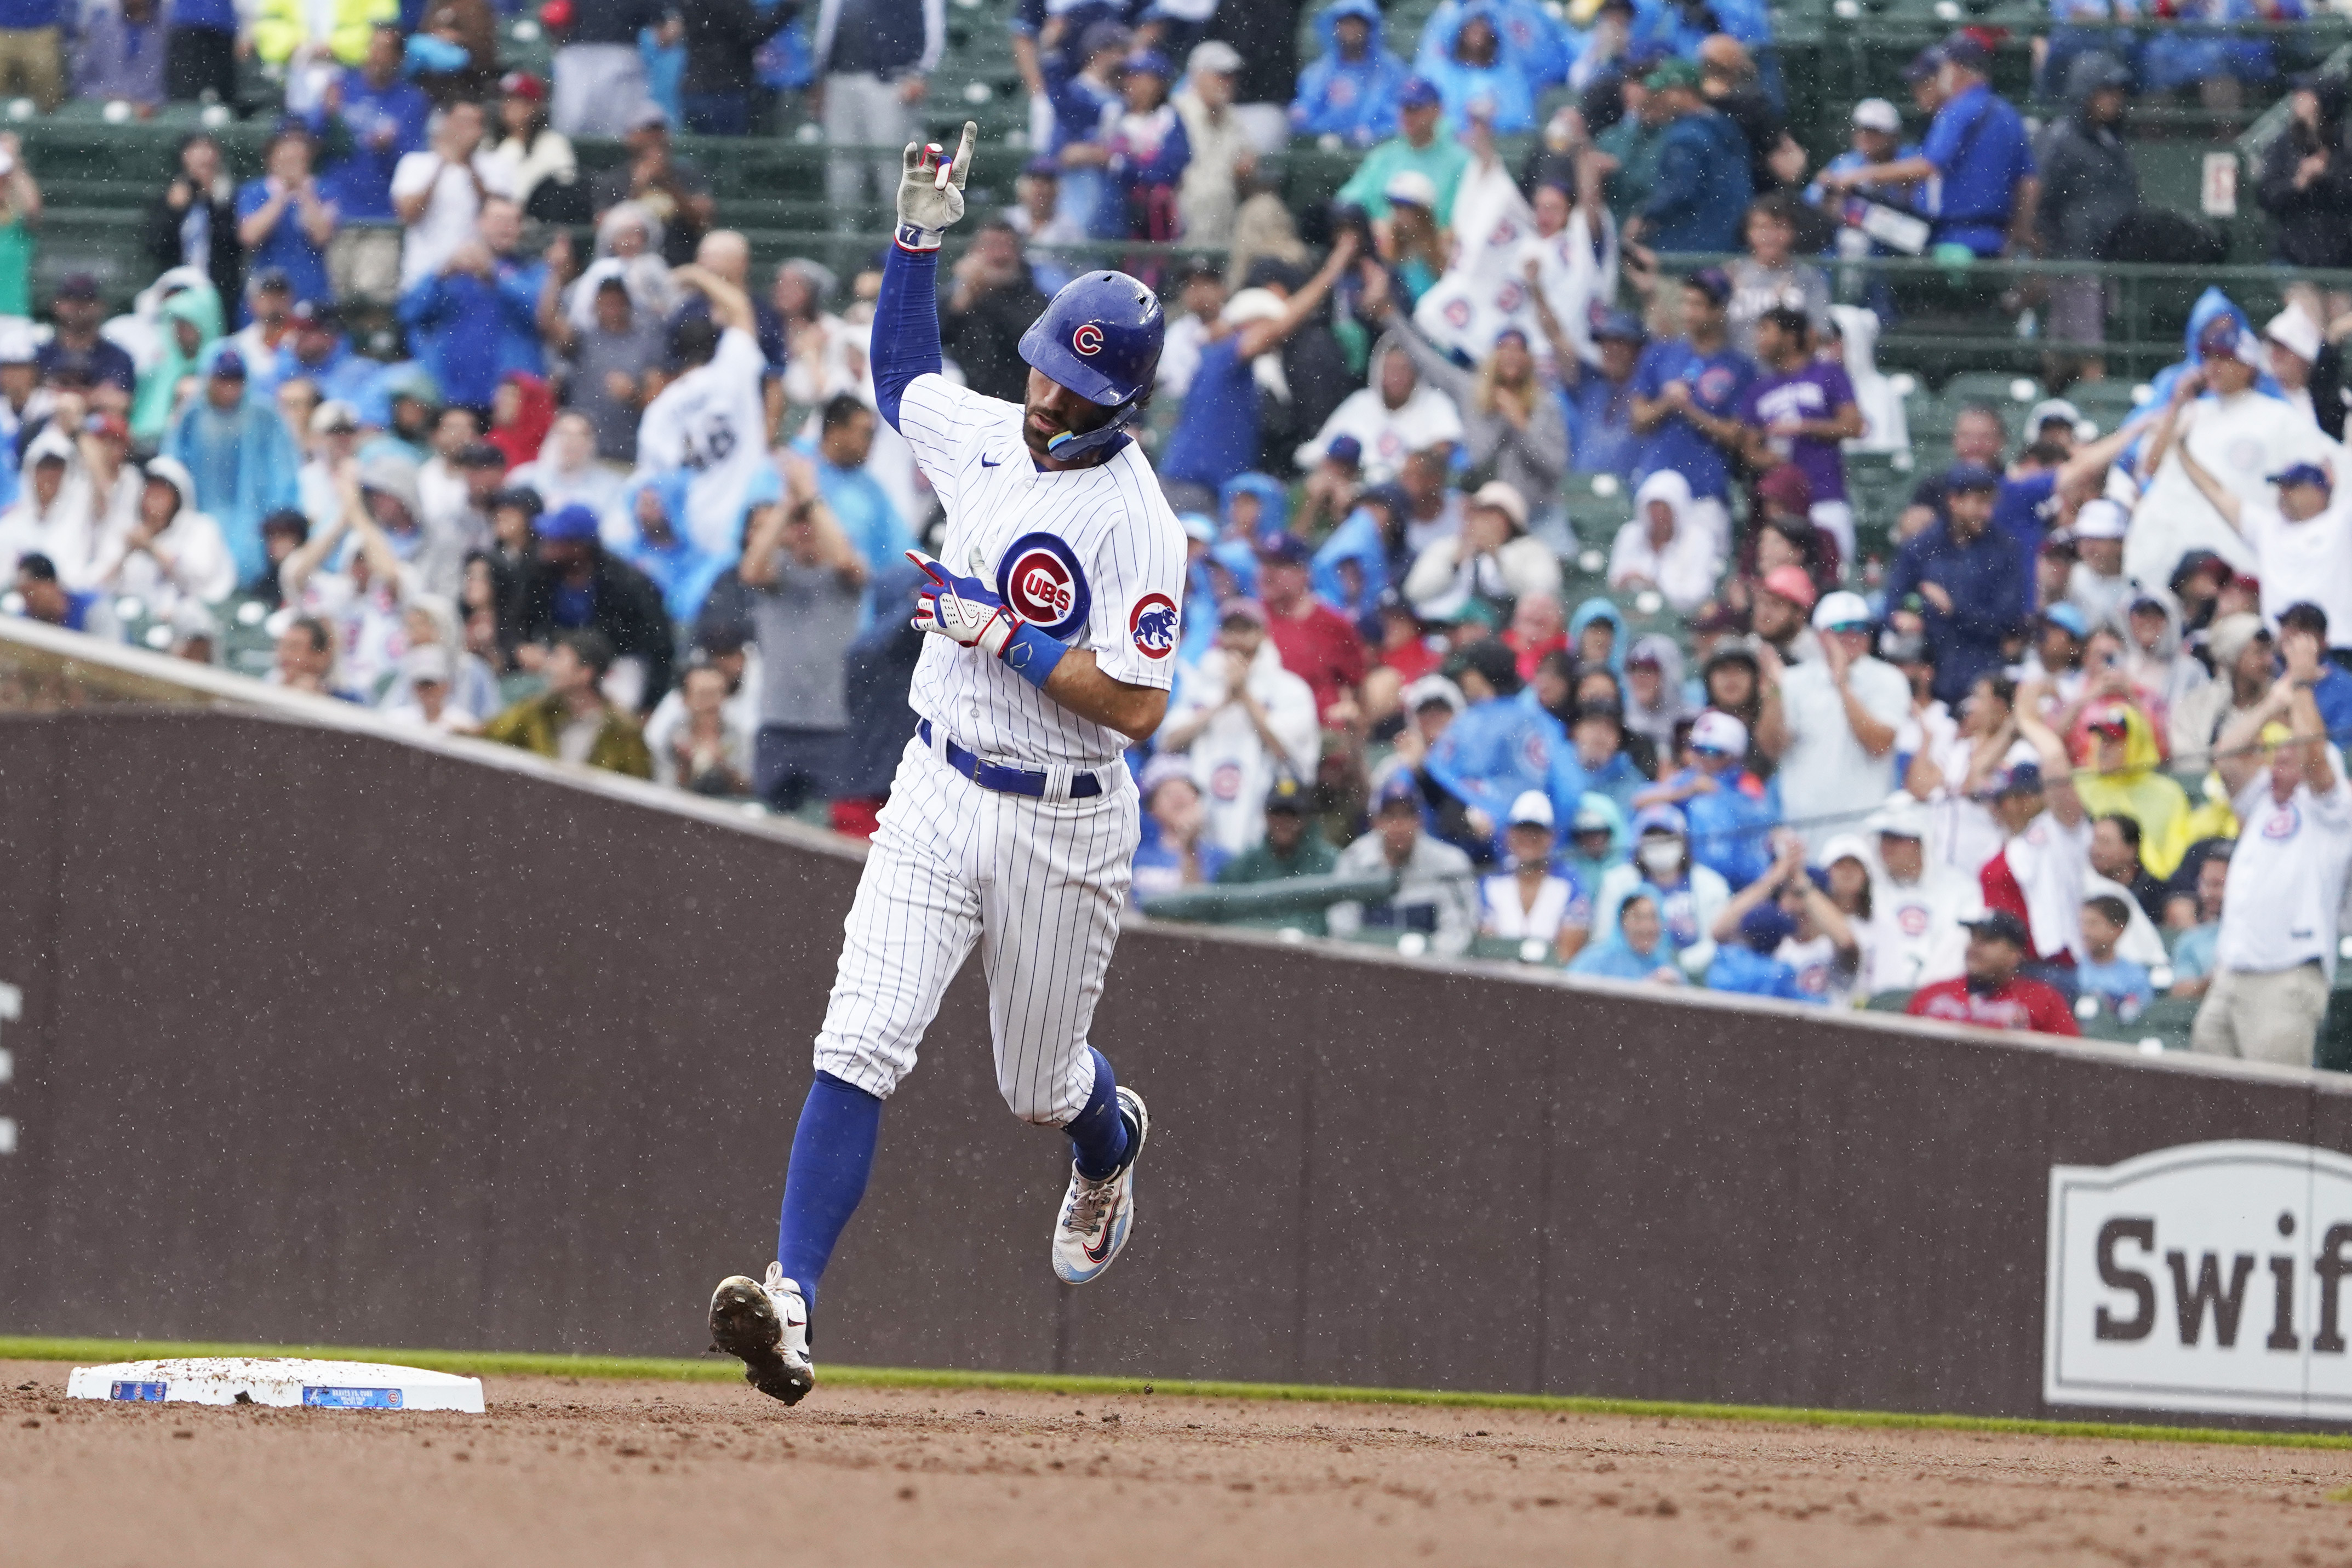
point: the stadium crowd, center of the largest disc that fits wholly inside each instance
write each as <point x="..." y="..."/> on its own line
<point x="613" y="499"/>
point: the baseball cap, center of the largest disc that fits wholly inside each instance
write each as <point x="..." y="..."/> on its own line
<point x="1418" y="92"/>
<point x="1712" y="281"/>
<point x="1150" y="62"/>
<point x="1399" y="788"/>
<point x="228" y="365"/>
<point x="1902" y="647"/>
<point x="1843" y="611"/>
<point x="1767" y="926"/>
<point x="1877" y="114"/>
<point x="1924" y="65"/>
<point x="481" y="455"/>
<point x="1720" y="733"/>
<point x="522" y="84"/>
<point x="1216" y="57"/>
<point x="1412" y="188"/>
<point x="2301" y="474"/>
<point x="2000" y="925"/>
<point x="1673" y="73"/>
<point x="1433" y="691"/>
<point x="77" y="286"/>
<point x="1503" y="498"/>
<point x="2068" y="618"/>
<point x="313" y="313"/>
<point x="574" y="521"/>
<point x="2018" y="778"/>
<point x="1241" y="610"/>
<point x="1532" y="809"/>
<point x="1967" y="476"/>
<point x="1288" y="794"/>
<point x="1792" y="584"/>
<point x="1620" y="326"/>
<point x="1968" y="51"/>
<point x="334" y="417"/>
<point x="1661" y="819"/>
<point x="1345" y="449"/>
<point x="515" y="498"/>
<point x="1283" y="546"/>
<point x="2102" y="518"/>
<point x="2109" y="719"/>
<point x="2052" y="408"/>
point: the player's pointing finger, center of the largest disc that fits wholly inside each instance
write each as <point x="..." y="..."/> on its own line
<point x="960" y="170"/>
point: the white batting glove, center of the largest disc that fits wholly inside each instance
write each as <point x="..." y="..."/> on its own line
<point x="930" y="193"/>
<point x="961" y="609"/>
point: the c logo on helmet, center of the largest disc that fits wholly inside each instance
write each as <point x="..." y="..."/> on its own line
<point x="1040" y="580"/>
<point x="1152" y="624"/>
<point x="1087" y="339"/>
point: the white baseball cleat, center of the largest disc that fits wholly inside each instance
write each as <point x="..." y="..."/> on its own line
<point x="765" y="1326"/>
<point x="1097" y="1216"/>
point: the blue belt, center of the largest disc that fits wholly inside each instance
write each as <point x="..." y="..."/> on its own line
<point x="1004" y="780"/>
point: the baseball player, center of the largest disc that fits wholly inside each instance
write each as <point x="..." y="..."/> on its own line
<point x="1012" y="821"/>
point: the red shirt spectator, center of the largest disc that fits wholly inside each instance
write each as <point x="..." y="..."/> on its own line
<point x="1992" y="994"/>
<point x="2038" y="876"/>
<point x="1317" y="643"/>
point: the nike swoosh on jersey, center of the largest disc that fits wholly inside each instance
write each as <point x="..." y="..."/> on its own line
<point x="985" y="463"/>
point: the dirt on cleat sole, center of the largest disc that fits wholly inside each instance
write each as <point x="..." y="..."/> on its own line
<point x="743" y="1324"/>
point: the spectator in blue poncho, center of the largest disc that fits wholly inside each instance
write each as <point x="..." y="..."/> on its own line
<point x="1538" y="42"/>
<point x="647" y="530"/>
<point x="1351" y="89"/>
<point x="243" y="462"/>
<point x="1731" y="812"/>
<point x="1366" y="553"/>
<point x="1497" y="748"/>
<point x="844" y="440"/>
<point x="1477" y="72"/>
<point x="1636" y="946"/>
<point x="1747" y="967"/>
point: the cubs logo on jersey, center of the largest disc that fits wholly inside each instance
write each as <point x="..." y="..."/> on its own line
<point x="1040" y="579"/>
<point x="2285" y="822"/>
<point x="1152" y="624"/>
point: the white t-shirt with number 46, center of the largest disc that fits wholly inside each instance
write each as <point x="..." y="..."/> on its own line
<point x="712" y="422"/>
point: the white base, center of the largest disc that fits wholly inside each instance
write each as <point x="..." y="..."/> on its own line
<point x="277" y="1380"/>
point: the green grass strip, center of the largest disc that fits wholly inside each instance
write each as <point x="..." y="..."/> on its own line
<point x="517" y="1364"/>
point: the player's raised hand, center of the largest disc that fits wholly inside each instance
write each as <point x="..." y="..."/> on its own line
<point x="931" y="190"/>
<point x="961" y="609"/>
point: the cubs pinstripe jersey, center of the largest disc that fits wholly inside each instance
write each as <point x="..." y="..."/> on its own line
<point x="1091" y="556"/>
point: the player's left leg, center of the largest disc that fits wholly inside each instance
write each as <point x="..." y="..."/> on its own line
<point x="1049" y="921"/>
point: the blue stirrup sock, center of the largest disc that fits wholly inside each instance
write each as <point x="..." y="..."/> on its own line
<point x="1099" y="1135"/>
<point x="833" y="1153"/>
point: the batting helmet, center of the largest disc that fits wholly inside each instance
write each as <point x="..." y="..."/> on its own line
<point x="1100" y="337"/>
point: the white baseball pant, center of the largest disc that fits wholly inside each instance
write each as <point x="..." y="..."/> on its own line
<point x="1038" y="885"/>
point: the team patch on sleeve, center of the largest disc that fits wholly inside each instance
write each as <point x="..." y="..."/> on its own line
<point x="1152" y="625"/>
<point x="1040" y="579"/>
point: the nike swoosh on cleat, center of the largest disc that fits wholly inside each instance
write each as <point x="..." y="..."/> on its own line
<point x="1110" y="1229"/>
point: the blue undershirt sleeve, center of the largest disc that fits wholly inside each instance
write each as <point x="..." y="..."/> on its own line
<point x="906" y="340"/>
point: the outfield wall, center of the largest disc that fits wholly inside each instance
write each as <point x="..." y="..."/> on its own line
<point x="331" y="1038"/>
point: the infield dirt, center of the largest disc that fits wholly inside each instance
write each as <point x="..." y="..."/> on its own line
<point x="575" y="1473"/>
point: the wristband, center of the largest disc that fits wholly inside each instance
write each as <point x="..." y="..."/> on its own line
<point x="915" y="237"/>
<point x="1030" y="653"/>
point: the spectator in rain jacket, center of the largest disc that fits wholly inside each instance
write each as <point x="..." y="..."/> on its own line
<point x="1498" y="747"/>
<point x="1701" y="195"/>
<point x="235" y="448"/>
<point x="1969" y="580"/>
<point x="1350" y="89"/>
